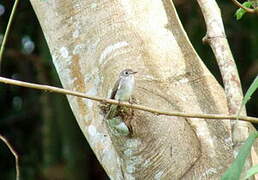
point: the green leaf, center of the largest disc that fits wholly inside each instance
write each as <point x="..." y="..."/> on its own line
<point x="240" y="12"/>
<point x="234" y="171"/>
<point x="248" y="94"/>
<point x="252" y="171"/>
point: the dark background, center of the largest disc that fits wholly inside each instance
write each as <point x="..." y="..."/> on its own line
<point x="41" y="126"/>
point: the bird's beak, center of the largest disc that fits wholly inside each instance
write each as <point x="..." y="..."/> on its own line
<point x="134" y="72"/>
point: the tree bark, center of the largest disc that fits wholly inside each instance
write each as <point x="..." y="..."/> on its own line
<point x="92" y="41"/>
<point x="217" y="40"/>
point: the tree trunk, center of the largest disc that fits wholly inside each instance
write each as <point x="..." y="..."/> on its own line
<point x="92" y="41"/>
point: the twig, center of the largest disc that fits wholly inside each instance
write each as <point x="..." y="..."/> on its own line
<point x="14" y="154"/>
<point x="129" y="105"/>
<point x="7" y="31"/>
<point x="249" y="10"/>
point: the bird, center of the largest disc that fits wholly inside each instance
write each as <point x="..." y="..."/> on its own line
<point x="124" y="86"/>
<point x="122" y="90"/>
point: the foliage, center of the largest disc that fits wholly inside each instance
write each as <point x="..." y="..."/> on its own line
<point x="252" y="171"/>
<point x="240" y="12"/>
<point x="249" y="93"/>
<point x="234" y="171"/>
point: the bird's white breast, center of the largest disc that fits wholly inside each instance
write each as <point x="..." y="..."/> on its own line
<point x="125" y="88"/>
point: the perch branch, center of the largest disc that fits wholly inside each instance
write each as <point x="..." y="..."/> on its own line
<point x="133" y="106"/>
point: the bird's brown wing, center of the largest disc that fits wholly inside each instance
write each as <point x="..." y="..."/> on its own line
<point x="114" y="90"/>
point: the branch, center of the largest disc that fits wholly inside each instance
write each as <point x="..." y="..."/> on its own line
<point x="7" y="30"/>
<point x="133" y="106"/>
<point x="216" y="38"/>
<point x="249" y="10"/>
<point x="14" y="154"/>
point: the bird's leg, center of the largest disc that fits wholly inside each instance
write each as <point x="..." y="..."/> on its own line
<point x="131" y="102"/>
<point x="119" y="102"/>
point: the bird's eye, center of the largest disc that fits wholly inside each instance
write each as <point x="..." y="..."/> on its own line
<point x="126" y="73"/>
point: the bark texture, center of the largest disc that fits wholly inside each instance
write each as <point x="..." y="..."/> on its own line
<point x="217" y="40"/>
<point x="91" y="41"/>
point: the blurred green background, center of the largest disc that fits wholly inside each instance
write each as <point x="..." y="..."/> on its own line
<point x="41" y="126"/>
